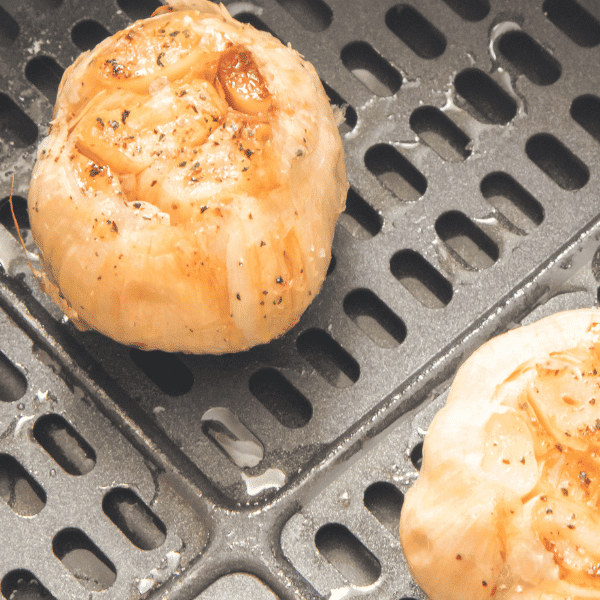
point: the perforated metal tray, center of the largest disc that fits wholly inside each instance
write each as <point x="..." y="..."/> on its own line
<point x="472" y="137"/>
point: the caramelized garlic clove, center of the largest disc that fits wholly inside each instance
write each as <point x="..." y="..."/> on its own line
<point x="244" y="85"/>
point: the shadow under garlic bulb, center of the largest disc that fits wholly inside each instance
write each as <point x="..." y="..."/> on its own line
<point x="187" y="194"/>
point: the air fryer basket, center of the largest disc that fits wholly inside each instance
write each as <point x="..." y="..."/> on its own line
<point x="472" y="139"/>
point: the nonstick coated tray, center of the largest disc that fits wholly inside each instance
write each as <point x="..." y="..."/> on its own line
<point x="472" y="139"/>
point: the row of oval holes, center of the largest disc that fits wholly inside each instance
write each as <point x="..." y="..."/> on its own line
<point x="493" y="104"/>
<point x="404" y="20"/>
<point x="287" y="404"/>
<point x="313" y="15"/>
<point x="521" y="51"/>
<point x="335" y="542"/>
<point x="345" y="551"/>
<point x="137" y="522"/>
<point x="26" y="497"/>
<point x="437" y="130"/>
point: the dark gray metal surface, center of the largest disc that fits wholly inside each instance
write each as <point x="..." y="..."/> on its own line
<point x="466" y="217"/>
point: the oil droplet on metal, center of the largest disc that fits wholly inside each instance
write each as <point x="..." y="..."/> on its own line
<point x="270" y="479"/>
